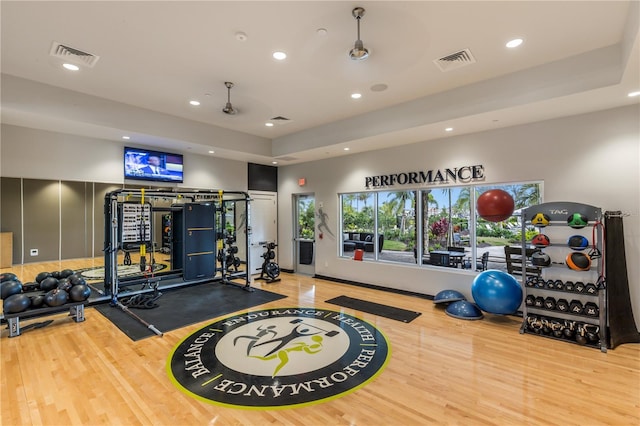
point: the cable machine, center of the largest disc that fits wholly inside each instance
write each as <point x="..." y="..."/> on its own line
<point x="202" y="222"/>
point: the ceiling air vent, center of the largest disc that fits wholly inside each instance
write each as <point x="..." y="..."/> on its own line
<point x="287" y="158"/>
<point x="455" y="60"/>
<point x="279" y="118"/>
<point x="75" y="56"/>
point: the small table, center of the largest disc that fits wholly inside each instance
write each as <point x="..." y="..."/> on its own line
<point x="447" y="258"/>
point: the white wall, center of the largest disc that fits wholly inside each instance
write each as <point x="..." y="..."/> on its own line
<point x="591" y="159"/>
<point x="39" y="154"/>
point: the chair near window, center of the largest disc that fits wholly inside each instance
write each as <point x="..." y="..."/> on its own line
<point x="481" y="264"/>
<point x="456" y="261"/>
<point x="513" y="257"/>
<point x="439" y="259"/>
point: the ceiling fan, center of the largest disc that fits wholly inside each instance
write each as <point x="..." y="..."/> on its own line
<point x="358" y="53"/>
<point x="228" y="108"/>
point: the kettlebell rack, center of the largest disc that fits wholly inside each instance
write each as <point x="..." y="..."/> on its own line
<point x="564" y="303"/>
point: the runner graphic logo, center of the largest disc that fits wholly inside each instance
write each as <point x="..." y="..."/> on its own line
<point x="278" y="358"/>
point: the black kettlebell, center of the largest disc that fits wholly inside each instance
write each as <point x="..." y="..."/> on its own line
<point x="592" y="332"/>
<point x="569" y="329"/>
<point x="546" y="329"/>
<point x="581" y="338"/>
<point x="556" y="329"/>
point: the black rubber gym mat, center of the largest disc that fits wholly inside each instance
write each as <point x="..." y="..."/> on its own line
<point x="184" y="306"/>
<point x="386" y="311"/>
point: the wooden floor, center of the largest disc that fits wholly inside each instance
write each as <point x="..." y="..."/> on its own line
<point x="442" y="371"/>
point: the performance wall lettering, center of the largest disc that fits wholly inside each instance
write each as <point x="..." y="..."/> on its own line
<point x="430" y="177"/>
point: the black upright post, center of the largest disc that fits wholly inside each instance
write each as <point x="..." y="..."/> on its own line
<point x="622" y="325"/>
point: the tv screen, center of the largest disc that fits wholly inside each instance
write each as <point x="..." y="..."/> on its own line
<point x="143" y="164"/>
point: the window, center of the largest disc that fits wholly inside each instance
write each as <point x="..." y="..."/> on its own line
<point x="412" y="225"/>
<point x="397" y="225"/>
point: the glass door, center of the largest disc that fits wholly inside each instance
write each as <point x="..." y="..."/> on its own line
<point x="304" y="233"/>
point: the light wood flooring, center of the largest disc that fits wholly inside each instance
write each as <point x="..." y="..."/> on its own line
<point x="442" y="371"/>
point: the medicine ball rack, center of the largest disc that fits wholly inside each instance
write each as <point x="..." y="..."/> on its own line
<point x="562" y="303"/>
<point x="197" y="219"/>
<point x="76" y="311"/>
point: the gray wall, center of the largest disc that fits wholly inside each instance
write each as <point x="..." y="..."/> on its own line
<point x="591" y="158"/>
<point x="53" y="186"/>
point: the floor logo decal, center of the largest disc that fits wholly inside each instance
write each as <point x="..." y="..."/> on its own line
<point x="278" y="358"/>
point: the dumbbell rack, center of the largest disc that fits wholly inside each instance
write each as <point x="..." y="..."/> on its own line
<point x="584" y="315"/>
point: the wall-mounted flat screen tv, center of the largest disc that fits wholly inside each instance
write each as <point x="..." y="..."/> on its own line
<point x="157" y="166"/>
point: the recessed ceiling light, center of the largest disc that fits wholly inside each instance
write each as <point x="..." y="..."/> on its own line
<point x="279" y="56"/>
<point x="632" y="94"/>
<point x="322" y="31"/>
<point x="514" y="43"/>
<point x="71" y="67"/>
<point x="212" y="152"/>
<point x="126" y="138"/>
<point x="356" y="95"/>
<point x="449" y="129"/>
<point x="380" y="87"/>
<point x="346" y="149"/>
<point x="194" y="103"/>
<point x="268" y="124"/>
<point x="241" y="36"/>
<point x="274" y="162"/>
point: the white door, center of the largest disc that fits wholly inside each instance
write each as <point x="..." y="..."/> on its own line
<point x="264" y="226"/>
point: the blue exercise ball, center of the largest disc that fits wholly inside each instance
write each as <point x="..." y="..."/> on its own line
<point x="463" y="309"/>
<point x="448" y="296"/>
<point x="496" y="292"/>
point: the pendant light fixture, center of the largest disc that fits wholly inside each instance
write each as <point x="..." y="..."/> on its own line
<point x="228" y="108"/>
<point x="358" y="53"/>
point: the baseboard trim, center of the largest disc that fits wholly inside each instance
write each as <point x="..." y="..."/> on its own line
<point x="374" y="287"/>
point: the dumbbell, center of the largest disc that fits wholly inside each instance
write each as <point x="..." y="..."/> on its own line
<point x="550" y="303"/>
<point x="540" y="282"/>
<point x="568" y="286"/>
<point x="531" y="281"/>
<point x="539" y="302"/>
<point x="558" y="284"/>
<point x="579" y="287"/>
<point x="550" y="285"/>
<point x="575" y="307"/>
<point x="591" y="289"/>
<point x="591" y="309"/>
<point x="530" y="300"/>
<point x="562" y="305"/>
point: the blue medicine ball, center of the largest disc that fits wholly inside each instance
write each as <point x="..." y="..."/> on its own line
<point x="578" y="242"/>
<point x="496" y="292"/>
<point x="463" y="309"/>
<point x="448" y="296"/>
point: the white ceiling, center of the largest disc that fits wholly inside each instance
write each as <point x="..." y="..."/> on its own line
<point x="577" y="56"/>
